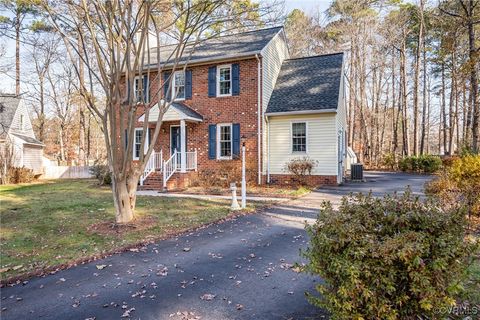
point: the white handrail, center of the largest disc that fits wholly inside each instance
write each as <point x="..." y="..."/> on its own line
<point x="153" y="163"/>
<point x="192" y="160"/>
<point x="169" y="168"/>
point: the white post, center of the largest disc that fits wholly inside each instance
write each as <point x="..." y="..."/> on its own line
<point x="164" y="175"/>
<point x="196" y="159"/>
<point x="183" y="147"/>
<point x="244" y="183"/>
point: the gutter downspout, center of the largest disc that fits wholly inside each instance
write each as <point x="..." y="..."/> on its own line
<point x="268" y="149"/>
<point x="259" y="115"/>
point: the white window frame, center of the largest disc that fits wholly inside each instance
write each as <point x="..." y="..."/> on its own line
<point x="219" y="126"/>
<point x="135" y="81"/>
<point x="224" y="66"/>
<point x="21" y="122"/>
<point x="306" y="137"/>
<point x="184" y="85"/>
<point x="146" y="144"/>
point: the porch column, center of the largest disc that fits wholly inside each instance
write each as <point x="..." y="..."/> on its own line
<point x="183" y="147"/>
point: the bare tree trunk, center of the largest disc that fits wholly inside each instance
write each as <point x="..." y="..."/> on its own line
<point x="416" y="81"/>
<point x="424" y="103"/>
<point x="403" y="80"/>
<point x="444" y="110"/>
<point x="451" y="114"/>
<point x="17" y="51"/>
<point x="81" y="137"/>
<point x="124" y="198"/>
<point x="473" y="55"/>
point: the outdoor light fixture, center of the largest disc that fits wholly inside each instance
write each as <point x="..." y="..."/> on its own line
<point x="243" y="139"/>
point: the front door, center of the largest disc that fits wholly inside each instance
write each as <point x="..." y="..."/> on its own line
<point x="175" y="141"/>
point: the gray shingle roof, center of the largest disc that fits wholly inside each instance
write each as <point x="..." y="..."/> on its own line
<point x="187" y="110"/>
<point x="235" y="45"/>
<point x="28" y="139"/>
<point x="8" y="106"/>
<point x="307" y="84"/>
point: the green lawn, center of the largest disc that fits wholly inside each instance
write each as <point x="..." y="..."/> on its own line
<point x="57" y="222"/>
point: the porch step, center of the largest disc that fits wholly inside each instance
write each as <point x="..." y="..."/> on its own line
<point x="177" y="182"/>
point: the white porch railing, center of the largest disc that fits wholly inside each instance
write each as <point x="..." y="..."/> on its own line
<point x="169" y="168"/>
<point x="192" y="160"/>
<point x="153" y="163"/>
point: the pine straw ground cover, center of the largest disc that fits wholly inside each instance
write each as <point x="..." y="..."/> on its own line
<point x="63" y="222"/>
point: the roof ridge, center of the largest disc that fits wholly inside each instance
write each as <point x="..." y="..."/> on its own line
<point x="221" y="36"/>
<point x="316" y="56"/>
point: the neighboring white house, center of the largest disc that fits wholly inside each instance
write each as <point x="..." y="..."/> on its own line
<point x="16" y="131"/>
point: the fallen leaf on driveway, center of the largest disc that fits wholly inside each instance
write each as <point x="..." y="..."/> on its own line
<point x="126" y="314"/>
<point x="186" y="249"/>
<point x="239" y="306"/>
<point x="62" y="279"/>
<point x="208" y="297"/>
<point x="101" y="266"/>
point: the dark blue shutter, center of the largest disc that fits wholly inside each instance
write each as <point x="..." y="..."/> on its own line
<point x="146" y="97"/>
<point x="236" y="140"/>
<point x="167" y="92"/>
<point x="212" y="81"/>
<point x="188" y="84"/>
<point x="212" y="141"/>
<point x="235" y="79"/>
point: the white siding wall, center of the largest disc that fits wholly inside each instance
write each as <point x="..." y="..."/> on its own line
<point x="32" y="158"/>
<point x="15" y="126"/>
<point x="321" y="142"/>
<point x="273" y="56"/>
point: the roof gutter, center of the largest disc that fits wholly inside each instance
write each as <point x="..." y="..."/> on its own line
<point x="195" y="62"/>
<point x="287" y="113"/>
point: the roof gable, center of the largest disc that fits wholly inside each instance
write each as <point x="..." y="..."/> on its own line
<point x="308" y="84"/>
<point x="8" y="107"/>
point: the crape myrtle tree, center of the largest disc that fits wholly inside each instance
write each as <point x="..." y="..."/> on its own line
<point x="118" y="40"/>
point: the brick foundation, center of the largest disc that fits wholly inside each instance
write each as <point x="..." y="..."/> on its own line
<point x="312" y="180"/>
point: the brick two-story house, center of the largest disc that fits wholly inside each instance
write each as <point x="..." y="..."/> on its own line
<point x="245" y="87"/>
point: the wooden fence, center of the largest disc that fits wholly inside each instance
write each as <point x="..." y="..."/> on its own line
<point x="66" y="172"/>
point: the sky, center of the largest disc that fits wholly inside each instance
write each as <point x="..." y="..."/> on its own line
<point x="307" y="5"/>
<point x="7" y="84"/>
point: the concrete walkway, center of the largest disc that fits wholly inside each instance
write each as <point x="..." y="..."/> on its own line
<point x="206" y="196"/>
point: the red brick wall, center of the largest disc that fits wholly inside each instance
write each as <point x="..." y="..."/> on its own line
<point x="235" y="109"/>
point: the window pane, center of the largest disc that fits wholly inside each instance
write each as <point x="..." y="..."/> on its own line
<point x="299" y="137"/>
<point x="179" y="84"/>
<point x="225" y="141"/>
<point x="225" y="81"/>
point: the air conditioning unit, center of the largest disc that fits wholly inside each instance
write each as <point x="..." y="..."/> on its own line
<point x="356" y="171"/>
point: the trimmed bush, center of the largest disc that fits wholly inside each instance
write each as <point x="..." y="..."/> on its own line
<point x="102" y="173"/>
<point x="300" y="168"/>
<point x="425" y="163"/>
<point x="390" y="258"/>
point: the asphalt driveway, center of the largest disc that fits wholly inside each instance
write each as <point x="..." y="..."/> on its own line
<point x="239" y="269"/>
